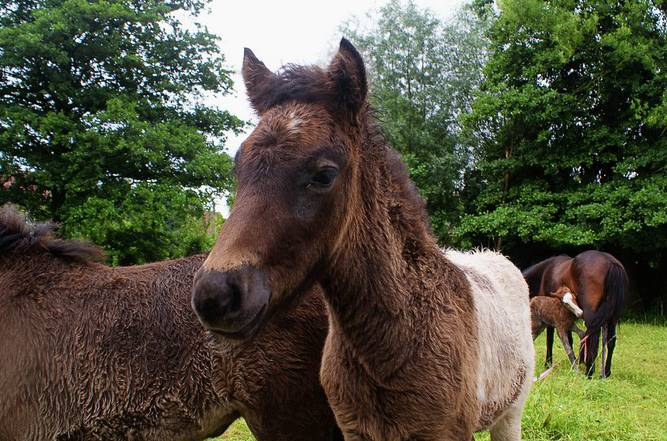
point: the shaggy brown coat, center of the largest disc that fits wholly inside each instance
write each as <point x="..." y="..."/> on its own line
<point x="549" y="311"/>
<point x="89" y="352"/>
<point x="403" y="359"/>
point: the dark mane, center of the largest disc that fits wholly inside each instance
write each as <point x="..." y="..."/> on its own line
<point x="413" y="206"/>
<point x="17" y="235"/>
<point x="336" y="88"/>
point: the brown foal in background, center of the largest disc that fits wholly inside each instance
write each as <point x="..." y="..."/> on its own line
<point x="559" y="310"/>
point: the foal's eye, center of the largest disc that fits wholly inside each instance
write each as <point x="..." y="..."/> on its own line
<point x="323" y="178"/>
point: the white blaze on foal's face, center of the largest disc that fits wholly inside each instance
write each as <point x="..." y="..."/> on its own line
<point x="568" y="300"/>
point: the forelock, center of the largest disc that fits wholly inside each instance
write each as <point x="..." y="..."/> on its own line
<point x="291" y="122"/>
<point x="301" y="84"/>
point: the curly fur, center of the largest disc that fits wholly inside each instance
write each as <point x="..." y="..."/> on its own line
<point x="90" y="352"/>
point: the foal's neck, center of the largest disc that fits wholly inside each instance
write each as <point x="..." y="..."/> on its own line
<point x="378" y="280"/>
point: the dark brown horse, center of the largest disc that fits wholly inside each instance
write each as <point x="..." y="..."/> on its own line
<point x="89" y="352"/>
<point x="423" y="344"/>
<point x="600" y="282"/>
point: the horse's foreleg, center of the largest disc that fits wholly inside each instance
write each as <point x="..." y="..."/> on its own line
<point x="536" y="329"/>
<point x="611" y="344"/>
<point x="565" y="338"/>
<point x="550" y="346"/>
<point x="603" y="355"/>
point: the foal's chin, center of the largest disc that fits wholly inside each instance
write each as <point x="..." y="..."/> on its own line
<point x="241" y="329"/>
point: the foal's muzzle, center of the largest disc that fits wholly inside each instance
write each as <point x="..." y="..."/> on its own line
<point x="569" y="303"/>
<point x="231" y="303"/>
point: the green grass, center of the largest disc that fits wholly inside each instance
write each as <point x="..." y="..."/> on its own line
<point x="237" y="432"/>
<point x="629" y="406"/>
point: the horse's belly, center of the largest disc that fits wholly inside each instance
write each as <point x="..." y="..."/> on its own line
<point x="506" y="353"/>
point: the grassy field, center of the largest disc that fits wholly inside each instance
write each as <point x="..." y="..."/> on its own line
<point x="629" y="406"/>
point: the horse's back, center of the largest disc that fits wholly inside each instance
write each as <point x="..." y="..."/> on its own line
<point x="591" y="270"/>
<point x="593" y="265"/>
<point x="506" y="353"/>
<point x="119" y="334"/>
<point x="590" y="256"/>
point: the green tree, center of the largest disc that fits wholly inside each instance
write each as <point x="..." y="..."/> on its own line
<point x="100" y="127"/>
<point x="423" y="75"/>
<point x="569" y="130"/>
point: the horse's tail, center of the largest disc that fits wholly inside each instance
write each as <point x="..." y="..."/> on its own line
<point x="615" y="285"/>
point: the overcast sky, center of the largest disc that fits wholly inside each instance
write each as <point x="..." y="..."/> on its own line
<point x="286" y="31"/>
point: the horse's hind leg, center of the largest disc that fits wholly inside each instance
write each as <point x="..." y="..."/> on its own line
<point x="589" y="351"/>
<point x="550" y="346"/>
<point x="603" y="355"/>
<point x="565" y="339"/>
<point x="508" y="427"/>
<point x="611" y="344"/>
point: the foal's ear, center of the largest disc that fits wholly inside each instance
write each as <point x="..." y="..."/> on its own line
<point x="255" y="73"/>
<point x="348" y="74"/>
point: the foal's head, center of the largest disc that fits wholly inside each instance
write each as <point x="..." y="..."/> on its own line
<point x="569" y="300"/>
<point x="298" y="182"/>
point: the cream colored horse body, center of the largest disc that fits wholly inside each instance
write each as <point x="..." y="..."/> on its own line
<point x="506" y="353"/>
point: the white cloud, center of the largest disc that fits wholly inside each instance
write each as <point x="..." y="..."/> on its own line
<point x="288" y="31"/>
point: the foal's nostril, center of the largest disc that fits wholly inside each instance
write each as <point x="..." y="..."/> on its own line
<point x="209" y="300"/>
<point x="217" y="296"/>
<point x="210" y="309"/>
<point x="233" y="297"/>
<point x="228" y="301"/>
